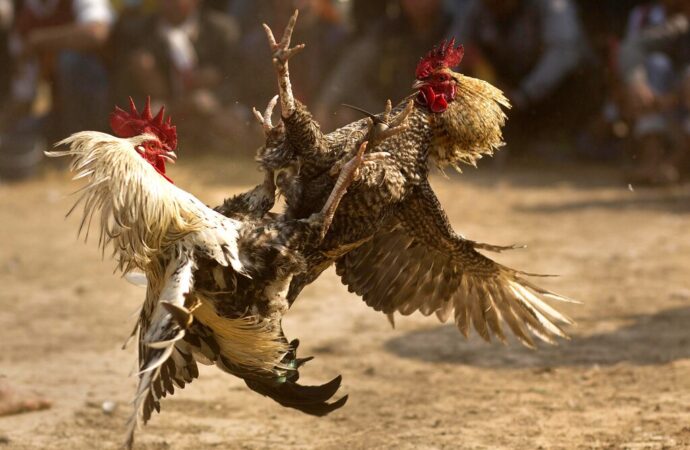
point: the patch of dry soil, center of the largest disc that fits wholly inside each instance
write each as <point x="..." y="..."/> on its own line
<point x="623" y="381"/>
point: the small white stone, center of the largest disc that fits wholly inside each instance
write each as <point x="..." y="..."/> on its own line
<point x="108" y="407"/>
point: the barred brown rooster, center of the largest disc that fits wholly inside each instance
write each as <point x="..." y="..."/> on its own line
<point x="390" y="239"/>
<point x="216" y="280"/>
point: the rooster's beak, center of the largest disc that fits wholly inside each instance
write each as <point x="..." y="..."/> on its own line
<point x="170" y="157"/>
<point x="419" y="84"/>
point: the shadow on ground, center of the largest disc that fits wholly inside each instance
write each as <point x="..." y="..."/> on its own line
<point x="655" y="339"/>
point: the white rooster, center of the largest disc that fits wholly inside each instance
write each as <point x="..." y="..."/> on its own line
<point x="216" y="284"/>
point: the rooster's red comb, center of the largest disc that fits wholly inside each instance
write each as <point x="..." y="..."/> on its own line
<point x="446" y="55"/>
<point x="129" y="124"/>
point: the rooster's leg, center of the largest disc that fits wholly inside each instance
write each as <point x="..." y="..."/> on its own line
<point x="348" y="173"/>
<point x="281" y="54"/>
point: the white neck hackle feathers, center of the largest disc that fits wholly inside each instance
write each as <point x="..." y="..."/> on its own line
<point x="142" y="213"/>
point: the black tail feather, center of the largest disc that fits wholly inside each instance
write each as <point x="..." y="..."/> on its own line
<point x="287" y="392"/>
<point x="311" y="400"/>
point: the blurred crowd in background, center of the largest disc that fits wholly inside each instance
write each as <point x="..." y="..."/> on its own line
<point x="602" y="80"/>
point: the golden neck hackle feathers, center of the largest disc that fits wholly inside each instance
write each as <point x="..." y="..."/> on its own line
<point x="471" y="126"/>
<point x="139" y="214"/>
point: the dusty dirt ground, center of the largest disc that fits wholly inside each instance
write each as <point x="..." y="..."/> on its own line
<point x="622" y="382"/>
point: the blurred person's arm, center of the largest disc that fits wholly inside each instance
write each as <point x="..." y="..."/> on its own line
<point x="93" y="19"/>
<point x="564" y="49"/>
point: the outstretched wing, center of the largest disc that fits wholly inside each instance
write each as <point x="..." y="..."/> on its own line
<point x="418" y="263"/>
<point x="178" y="369"/>
<point x="163" y="359"/>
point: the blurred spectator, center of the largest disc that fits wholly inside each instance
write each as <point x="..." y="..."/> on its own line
<point x="605" y="21"/>
<point x="643" y="17"/>
<point x="8" y="159"/>
<point x="608" y="136"/>
<point x="57" y="41"/>
<point x="129" y="8"/>
<point x="185" y="57"/>
<point x="536" y="51"/>
<point x="365" y="15"/>
<point x="320" y="27"/>
<point x="6" y="18"/>
<point x="655" y="64"/>
<point x="380" y="65"/>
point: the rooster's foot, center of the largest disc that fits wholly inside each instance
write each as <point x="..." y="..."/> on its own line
<point x="390" y="126"/>
<point x="265" y="118"/>
<point x="282" y="52"/>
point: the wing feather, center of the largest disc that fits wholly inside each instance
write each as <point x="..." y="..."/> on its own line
<point x="415" y="262"/>
<point x="462" y="310"/>
<point x="493" y="317"/>
<point x="476" y="302"/>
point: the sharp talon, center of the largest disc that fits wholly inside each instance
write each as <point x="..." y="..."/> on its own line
<point x="362" y="149"/>
<point x="269" y="109"/>
<point x="265" y="118"/>
<point x="269" y="35"/>
<point x="281" y="50"/>
<point x="258" y="116"/>
<point x="400" y="118"/>
<point x="287" y="35"/>
<point x="391" y="132"/>
<point x="293" y="51"/>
